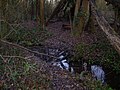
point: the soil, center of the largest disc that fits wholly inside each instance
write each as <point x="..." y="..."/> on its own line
<point x="61" y="39"/>
<point x="64" y="38"/>
<point x="59" y="79"/>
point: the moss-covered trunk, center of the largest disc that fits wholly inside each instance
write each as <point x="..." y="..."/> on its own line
<point x="81" y="16"/>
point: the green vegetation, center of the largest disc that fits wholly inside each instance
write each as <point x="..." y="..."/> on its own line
<point x="17" y="73"/>
<point x="91" y="84"/>
<point x="100" y="52"/>
<point x="20" y="72"/>
<point x="25" y="36"/>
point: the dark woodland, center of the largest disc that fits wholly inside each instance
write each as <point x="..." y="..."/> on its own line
<point x="59" y="44"/>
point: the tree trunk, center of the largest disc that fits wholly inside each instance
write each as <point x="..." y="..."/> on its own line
<point x="59" y="7"/>
<point x="82" y="16"/>
<point x="117" y="20"/>
<point x="42" y="14"/>
<point x="32" y="10"/>
<point x="77" y="7"/>
<point x="115" y="3"/>
<point x="91" y="25"/>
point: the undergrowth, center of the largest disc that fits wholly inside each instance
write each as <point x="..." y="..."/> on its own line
<point x="101" y="53"/>
<point x="27" y="37"/>
<point x="90" y="83"/>
<point x="19" y="73"/>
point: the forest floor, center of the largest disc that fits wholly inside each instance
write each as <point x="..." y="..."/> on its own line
<point x="95" y="46"/>
<point x="34" y="73"/>
<point x="64" y="38"/>
<point x="47" y="77"/>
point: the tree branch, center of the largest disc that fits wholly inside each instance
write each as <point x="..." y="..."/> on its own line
<point x="25" y="49"/>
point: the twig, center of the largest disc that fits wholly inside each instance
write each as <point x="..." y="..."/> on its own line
<point x="109" y="73"/>
<point x="23" y="48"/>
<point x="2" y="57"/>
<point x="15" y="57"/>
<point x="5" y="64"/>
<point x="10" y="31"/>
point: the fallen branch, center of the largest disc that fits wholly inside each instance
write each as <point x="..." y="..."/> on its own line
<point x="26" y="58"/>
<point x="26" y="49"/>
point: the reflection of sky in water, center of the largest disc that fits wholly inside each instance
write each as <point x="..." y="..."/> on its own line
<point x="53" y="0"/>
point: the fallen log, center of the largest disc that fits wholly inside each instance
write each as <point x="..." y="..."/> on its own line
<point x="111" y="35"/>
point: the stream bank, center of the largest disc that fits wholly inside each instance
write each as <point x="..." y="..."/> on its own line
<point x="90" y="47"/>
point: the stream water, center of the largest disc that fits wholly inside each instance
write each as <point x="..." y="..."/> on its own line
<point x="104" y="74"/>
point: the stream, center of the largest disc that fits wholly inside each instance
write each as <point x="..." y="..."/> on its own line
<point x="64" y="62"/>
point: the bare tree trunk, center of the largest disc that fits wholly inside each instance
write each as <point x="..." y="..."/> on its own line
<point x="32" y="10"/>
<point x="91" y="23"/>
<point x="37" y="9"/>
<point x="42" y="14"/>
